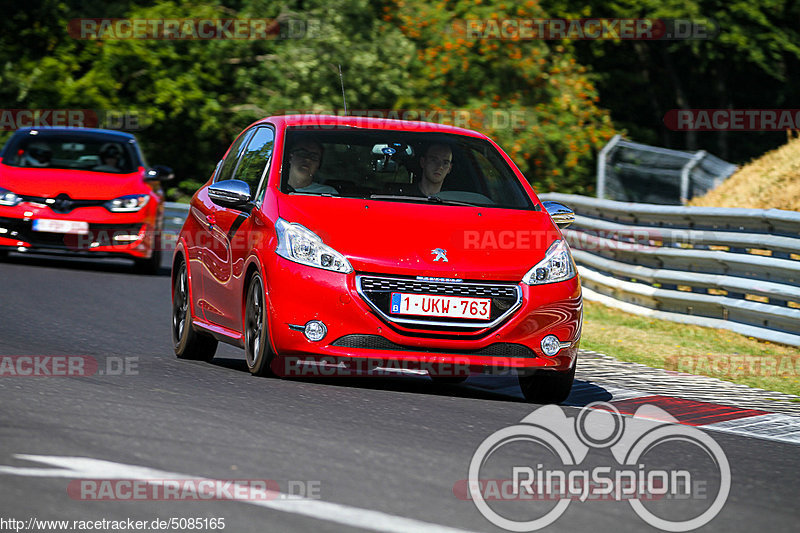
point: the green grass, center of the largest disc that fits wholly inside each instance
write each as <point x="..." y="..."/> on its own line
<point x="711" y="352"/>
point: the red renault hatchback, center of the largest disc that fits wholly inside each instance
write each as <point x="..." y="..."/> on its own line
<point x="349" y="245"/>
<point x="81" y="191"/>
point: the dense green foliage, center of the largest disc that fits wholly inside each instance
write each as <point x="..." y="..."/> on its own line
<point x="550" y="104"/>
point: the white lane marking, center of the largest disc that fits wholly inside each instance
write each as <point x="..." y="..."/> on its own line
<point x="88" y="468"/>
<point x="772" y="426"/>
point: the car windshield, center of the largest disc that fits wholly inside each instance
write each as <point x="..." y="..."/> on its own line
<point x="400" y="166"/>
<point x="76" y="152"/>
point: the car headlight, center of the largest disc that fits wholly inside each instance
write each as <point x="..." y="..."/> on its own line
<point x="557" y="265"/>
<point x="127" y="204"/>
<point x="8" y="198"/>
<point x="301" y="245"/>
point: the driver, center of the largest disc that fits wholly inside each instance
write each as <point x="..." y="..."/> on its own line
<point x="305" y="157"/>
<point x="110" y="155"/>
<point x="38" y="154"/>
<point x="436" y="163"/>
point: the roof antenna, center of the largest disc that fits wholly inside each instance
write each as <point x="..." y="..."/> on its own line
<point x="341" y="79"/>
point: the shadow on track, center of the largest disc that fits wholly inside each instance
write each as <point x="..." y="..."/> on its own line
<point x="481" y="387"/>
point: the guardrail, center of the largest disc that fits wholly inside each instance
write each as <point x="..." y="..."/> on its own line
<point x="731" y="268"/>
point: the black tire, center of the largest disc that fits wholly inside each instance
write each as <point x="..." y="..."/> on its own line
<point x="3" y="254"/>
<point x="547" y="386"/>
<point x="148" y="267"/>
<point x="257" y="349"/>
<point x="188" y="343"/>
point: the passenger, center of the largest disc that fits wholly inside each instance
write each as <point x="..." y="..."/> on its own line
<point x="110" y="155"/>
<point x="436" y="164"/>
<point x="305" y="157"/>
<point x="38" y="154"/>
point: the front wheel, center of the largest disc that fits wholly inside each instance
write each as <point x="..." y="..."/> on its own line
<point x="547" y="386"/>
<point x="257" y="349"/>
<point x="188" y="343"/>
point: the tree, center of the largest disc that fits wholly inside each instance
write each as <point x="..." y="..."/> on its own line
<point x="748" y="60"/>
<point x="553" y="126"/>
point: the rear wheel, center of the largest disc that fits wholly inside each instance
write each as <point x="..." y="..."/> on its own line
<point x="257" y="349"/>
<point x="188" y="343"/>
<point x="3" y="254"/>
<point x="547" y="386"/>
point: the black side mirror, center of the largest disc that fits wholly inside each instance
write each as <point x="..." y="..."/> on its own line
<point x="562" y="215"/>
<point x="230" y="193"/>
<point x="159" y="173"/>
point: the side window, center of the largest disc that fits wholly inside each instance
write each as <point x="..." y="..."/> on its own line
<point x="255" y="157"/>
<point x="229" y="165"/>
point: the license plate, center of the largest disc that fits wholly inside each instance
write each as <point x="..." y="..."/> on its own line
<point x="61" y="226"/>
<point x="441" y="306"/>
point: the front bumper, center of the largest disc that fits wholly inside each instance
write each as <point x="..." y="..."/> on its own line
<point x="356" y="332"/>
<point x="109" y="234"/>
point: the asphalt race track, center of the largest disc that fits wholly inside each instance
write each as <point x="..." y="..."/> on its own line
<point x="368" y="454"/>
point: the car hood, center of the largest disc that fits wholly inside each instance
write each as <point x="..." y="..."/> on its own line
<point x="77" y="184"/>
<point x="401" y="238"/>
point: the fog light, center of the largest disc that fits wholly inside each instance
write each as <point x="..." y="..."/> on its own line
<point x="316" y="331"/>
<point x="551" y="345"/>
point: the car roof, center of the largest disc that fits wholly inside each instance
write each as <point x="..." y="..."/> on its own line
<point x="88" y="132"/>
<point x="362" y="122"/>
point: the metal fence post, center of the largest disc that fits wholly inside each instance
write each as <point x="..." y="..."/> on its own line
<point x="601" y="165"/>
<point x="686" y="171"/>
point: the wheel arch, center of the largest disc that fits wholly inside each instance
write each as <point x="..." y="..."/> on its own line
<point x="255" y="264"/>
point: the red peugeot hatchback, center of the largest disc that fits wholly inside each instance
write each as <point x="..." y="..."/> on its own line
<point x="351" y="245"/>
<point x="81" y="191"/>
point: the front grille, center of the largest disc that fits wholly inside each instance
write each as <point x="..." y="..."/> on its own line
<point x="102" y="234"/>
<point x="475" y="290"/>
<point x="62" y="203"/>
<point x="376" y="342"/>
<point x="506" y="297"/>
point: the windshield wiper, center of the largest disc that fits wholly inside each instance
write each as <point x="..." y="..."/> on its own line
<point x="429" y="199"/>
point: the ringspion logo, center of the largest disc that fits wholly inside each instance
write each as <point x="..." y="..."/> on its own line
<point x="524" y="477"/>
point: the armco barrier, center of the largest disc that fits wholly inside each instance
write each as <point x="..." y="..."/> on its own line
<point x="731" y="268"/>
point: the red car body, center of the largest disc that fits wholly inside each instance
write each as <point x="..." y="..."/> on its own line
<point x="76" y="200"/>
<point x="392" y="249"/>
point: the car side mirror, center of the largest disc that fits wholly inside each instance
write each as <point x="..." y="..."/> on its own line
<point x="562" y="215"/>
<point x="230" y="193"/>
<point x="159" y="173"/>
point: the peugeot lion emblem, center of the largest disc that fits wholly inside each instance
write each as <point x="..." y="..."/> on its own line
<point x="440" y="254"/>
